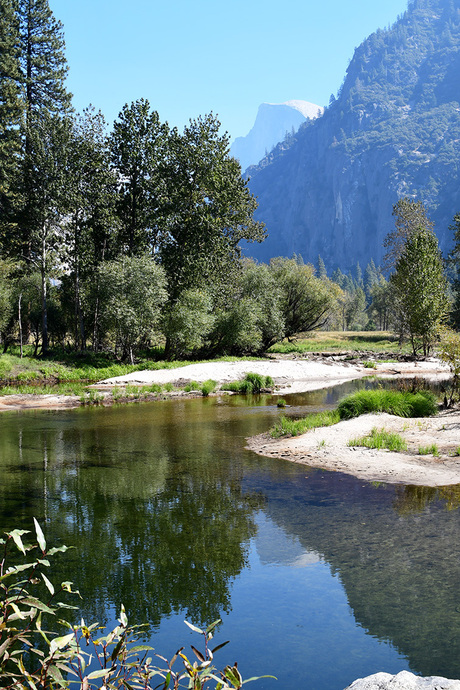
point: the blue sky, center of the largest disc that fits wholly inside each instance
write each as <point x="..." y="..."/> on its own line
<point x="188" y="57"/>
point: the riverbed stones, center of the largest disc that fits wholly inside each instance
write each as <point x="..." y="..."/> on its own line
<point x="403" y="681"/>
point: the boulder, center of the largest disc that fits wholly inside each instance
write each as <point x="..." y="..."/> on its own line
<point x="403" y="681"/>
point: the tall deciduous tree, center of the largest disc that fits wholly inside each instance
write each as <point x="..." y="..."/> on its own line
<point x="138" y="147"/>
<point x="210" y="208"/>
<point x="91" y="218"/>
<point x="420" y="289"/>
<point x="410" y="216"/>
<point x="47" y="199"/>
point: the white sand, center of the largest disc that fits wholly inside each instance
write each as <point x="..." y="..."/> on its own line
<point x="289" y="375"/>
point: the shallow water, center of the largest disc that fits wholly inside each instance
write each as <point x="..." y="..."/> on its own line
<point x="319" y="578"/>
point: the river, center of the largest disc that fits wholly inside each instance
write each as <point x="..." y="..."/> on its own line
<point x="318" y="578"/>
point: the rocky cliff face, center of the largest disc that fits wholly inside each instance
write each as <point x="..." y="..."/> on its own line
<point x="273" y="122"/>
<point x="393" y="131"/>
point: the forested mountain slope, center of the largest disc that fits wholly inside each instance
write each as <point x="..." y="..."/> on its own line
<point x="392" y="131"/>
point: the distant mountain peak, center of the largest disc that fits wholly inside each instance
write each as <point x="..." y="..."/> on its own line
<point x="273" y="122"/>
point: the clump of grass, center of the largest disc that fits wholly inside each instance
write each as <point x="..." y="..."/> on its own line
<point x="295" y="427"/>
<point x="429" y="450"/>
<point x="370" y="365"/>
<point x="208" y="387"/>
<point x="153" y="388"/>
<point x="252" y="383"/>
<point x="399" y="403"/>
<point x="192" y="386"/>
<point x="457" y="452"/>
<point x="281" y="402"/>
<point x="117" y="393"/>
<point x="168" y="387"/>
<point x="92" y="398"/>
<point x="133" y="391"/>
<point x="380" y="438"/>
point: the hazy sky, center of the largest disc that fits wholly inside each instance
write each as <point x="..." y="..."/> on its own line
<point x="188" y="57"/>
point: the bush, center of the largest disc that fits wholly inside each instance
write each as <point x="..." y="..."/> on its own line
<point x="401" y="404"/>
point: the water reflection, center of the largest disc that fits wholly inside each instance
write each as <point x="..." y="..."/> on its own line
<point x="170" y="515"/>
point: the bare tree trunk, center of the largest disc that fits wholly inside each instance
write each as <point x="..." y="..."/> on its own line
<point x="20" y="323"/>
<point x="44" y="297"/>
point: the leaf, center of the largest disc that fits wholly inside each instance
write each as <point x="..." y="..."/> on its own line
<point x="198" y="654"/>
<point x="250" y="680"/>
<point x="219" y="646"/>
<point x="37" y="604"/>
<point x="116" y="651"/>
<point x="40" y="536"/>
<point x="57" y="676"/>
<point x="99" y="674"/>
<point x="48" y="583"/>
<point x="59" y="549"/>
<point x="194" y="628"/>
<point x="213" y="625"/>
<point x="123" y="617"/>
<point x="16" y="535"/>
<point x="60" y="642"/>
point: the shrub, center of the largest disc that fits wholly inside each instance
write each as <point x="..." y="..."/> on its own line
<point x="281" y="402"/>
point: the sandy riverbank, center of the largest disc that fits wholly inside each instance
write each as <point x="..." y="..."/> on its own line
<point x="289" y="375"/>
<point x="327" y="448"/>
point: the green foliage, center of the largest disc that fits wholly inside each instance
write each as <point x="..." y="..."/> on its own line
<point x="192" y="386"/>
<point x="132" y="293"/>
<point x="429" y="450"/>
<point x="420" y="289"/>
<point x="380" y="438"/>
<point x="281" y="402"/>
<point x="116" y="658"/>
<point x="251" y="384"/>
<point x="449" y="352"/>
<point x="399" y="403"/>
<point x="294" y="427"/>
<point x="188" y="322"/>
<point x="210" y="208"/>
<point x="138" y="152"/>
<point x="208" y="387"/>
<point x="306" y="301"/>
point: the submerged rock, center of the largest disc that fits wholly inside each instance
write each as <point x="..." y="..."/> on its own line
<point x="403" y="681"/>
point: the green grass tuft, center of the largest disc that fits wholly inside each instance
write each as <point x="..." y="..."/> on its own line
<point x="379" y="438"/>
<point x="295" y="427"/>
<point x="399" y="403"/>
<point x="208" y="387"/>
<point x="251" y="384"/>
<point x="429" y="450"/>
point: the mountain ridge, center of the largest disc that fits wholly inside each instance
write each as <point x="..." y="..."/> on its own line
<point x="393" y="130"/>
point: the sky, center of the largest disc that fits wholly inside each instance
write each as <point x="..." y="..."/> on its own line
<point x="191" y="57"/>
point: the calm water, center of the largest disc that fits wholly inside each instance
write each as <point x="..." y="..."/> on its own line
<point x="319" y="578"/>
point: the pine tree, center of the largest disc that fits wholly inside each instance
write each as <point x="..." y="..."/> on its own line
<point x="10" y="104"/>
<point x="43" y="62"/>
<point x="43" y="71"/>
